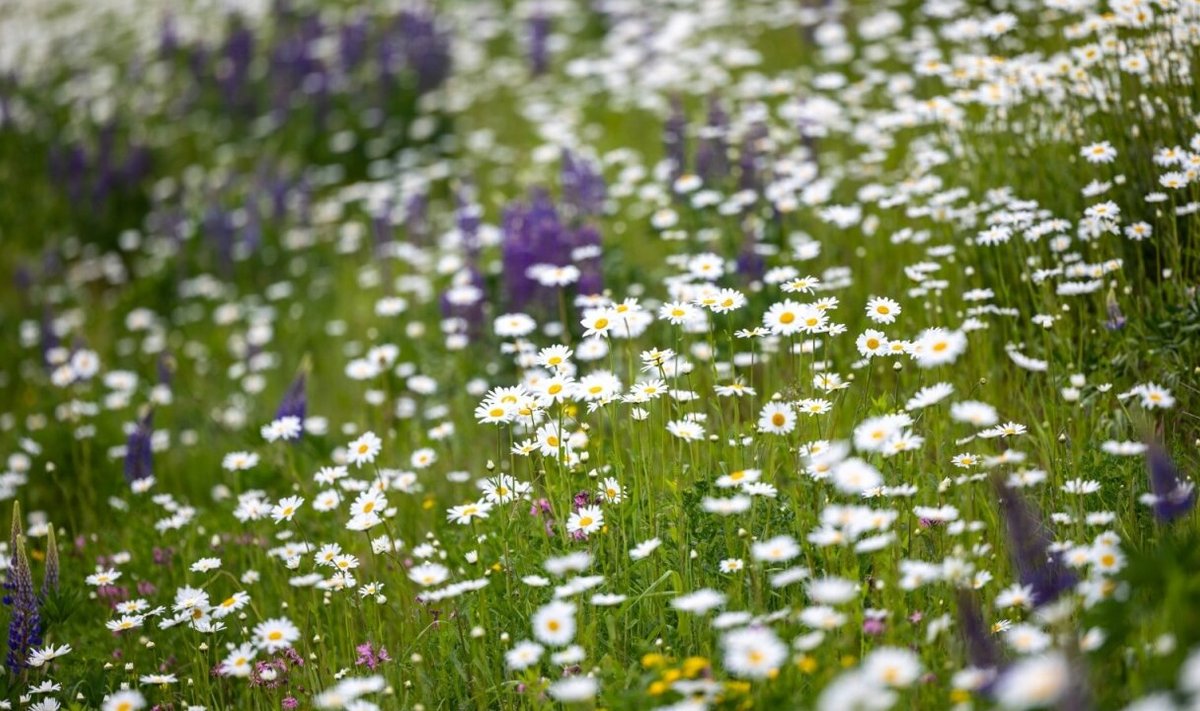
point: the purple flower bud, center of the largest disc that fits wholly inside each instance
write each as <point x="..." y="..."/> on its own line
<point x="50" y="579"/>
<point x="139" y="457"/>
<point x="1029" y="546"/>
<point x="166" y="368"/>
<point x="981" y="648"/>
<point x="295" y="399"/>
<point x="583" y="187"/>
<point x="25" y="625"/>
<point x="750" y="263"/>
<point x="539" y="33"/>
<point x="425" y="48"/>
<point x="1172" y="498"/>
<point x="675" y="138"/>
<point x="712" y="159"/>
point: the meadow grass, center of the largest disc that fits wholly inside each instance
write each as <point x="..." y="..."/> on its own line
<point x="602" y="355"/>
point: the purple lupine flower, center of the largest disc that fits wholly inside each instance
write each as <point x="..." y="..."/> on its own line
<point x="295" y="398"/>
<point x="139" y="457"/>
<point x="234" y="73"/>
<point x="252" y="231"/>
<point x="425" y="47"/>
<point x="381" y="229"/>
<point x="23" y="279"/>
<point x="217" y="227"/>
<point x="532" y="235"/>
<point x="467" y="216"/>
<point x="416" y="223"/>
<point x="981" y="648"/>
<point x="168" y="36"/>
<point x="1029" y="546"/>
<point x="748" y="161"/>
<point x="277" y="189"/>
<point x="750" y="264"/>
<point x="15" y="535"/>
<point x="165" y="367"/>
<point x="25" y="625"/>
<point x="48" y="337"/>
<point x="539" y="51"/>
<point x="352" y="43"/>
<point x="583" y="188"/>
<point x="464" y="300"/>
<point x="1172" y="498"/>
<point x="712" y="160"/>
<point x="675" y="138"/>
<point x="50" y="579"/>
